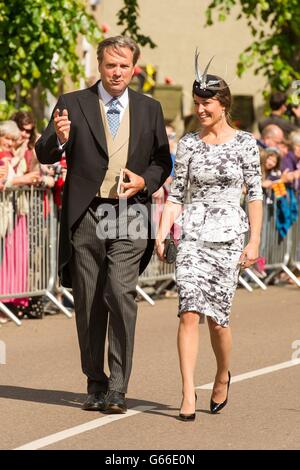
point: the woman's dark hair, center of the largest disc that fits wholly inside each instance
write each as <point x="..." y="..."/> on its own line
<point x="225" y="98"/>
<point x="24" y="118"/>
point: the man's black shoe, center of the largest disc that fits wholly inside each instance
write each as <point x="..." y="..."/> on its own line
<point x="115" y="402"/>
<point x="95" y="402"/>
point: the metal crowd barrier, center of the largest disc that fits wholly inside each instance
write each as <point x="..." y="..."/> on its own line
<point x="28" y="251"/>
<point x="157" y="271"/>
<point x="280" y="255"/>
<point x="295" y="251"/>
<point x="278" y="252"/>
<point x="28" y="236"/>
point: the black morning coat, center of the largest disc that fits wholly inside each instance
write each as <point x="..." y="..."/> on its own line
<point x="87" y="159"/>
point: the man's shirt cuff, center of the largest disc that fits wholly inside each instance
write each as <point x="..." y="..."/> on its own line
<point x="61" y="146"/>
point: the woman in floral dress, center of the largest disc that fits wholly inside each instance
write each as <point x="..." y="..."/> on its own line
<point x="215" y="163"/>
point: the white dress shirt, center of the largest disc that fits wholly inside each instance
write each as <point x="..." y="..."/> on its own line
<point x="106" y="98"/>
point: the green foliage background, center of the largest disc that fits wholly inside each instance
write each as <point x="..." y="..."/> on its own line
<point x="275" y="27"/>
<point x="128" y="16"/>
<point x="38" y="40"/>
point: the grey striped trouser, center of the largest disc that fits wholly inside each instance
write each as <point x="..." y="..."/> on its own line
<point x="104" y="276"/>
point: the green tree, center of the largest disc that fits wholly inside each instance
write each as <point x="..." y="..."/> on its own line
<point x="38" y="40"/>
<point x="275" y="26"/>
<point x="128" y="16"/>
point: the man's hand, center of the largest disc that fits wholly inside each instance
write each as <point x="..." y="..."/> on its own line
<point x="287" y="176"/>
<point x="62" y="125"/>
<point x="136" y="184"/>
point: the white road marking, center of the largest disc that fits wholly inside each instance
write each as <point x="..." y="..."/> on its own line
<point x="96" y="423"/>
<point x="255" y="373"/>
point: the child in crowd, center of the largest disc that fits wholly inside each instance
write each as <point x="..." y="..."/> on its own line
<point x="270" y="166"/>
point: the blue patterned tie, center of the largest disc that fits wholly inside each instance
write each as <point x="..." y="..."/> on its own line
<point x="113" y="116"/>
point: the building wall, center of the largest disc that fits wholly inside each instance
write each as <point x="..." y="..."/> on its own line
<point x="177" y="27"/>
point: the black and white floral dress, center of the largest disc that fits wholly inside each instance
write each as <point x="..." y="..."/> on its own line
<point x="213" y="222"/>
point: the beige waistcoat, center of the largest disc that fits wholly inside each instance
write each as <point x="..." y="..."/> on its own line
<point x="117" y="153"/>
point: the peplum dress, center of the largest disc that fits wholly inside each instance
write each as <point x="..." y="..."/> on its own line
<point x="213" y="222"/>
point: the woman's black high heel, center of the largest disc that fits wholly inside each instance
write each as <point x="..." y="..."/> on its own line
<point x="190" y="416"/>
<point x="215" y="407"/>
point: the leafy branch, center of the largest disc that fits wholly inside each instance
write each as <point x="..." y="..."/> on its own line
<point x="38" y="41"/>
<point x="275" y="27"/>
<point x="128" y="16"/>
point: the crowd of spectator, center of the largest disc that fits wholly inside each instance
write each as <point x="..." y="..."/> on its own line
<point x="279" y="142"/>
<point x="19" y="167"/>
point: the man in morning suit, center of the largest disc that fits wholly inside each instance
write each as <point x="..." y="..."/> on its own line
<point x="102" y="129"/>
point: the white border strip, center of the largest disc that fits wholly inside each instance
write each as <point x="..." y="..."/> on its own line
<point x="255" y="373"/>
<point x="96" y="423"/>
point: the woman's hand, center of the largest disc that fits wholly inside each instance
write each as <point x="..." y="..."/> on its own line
<point x="160" y="246"/>
<point x="286" y="176"/>
<point x="159" y="194"/>
<point x="249" y="255"/>
<point x="47" y="181"/>
<point x="32" y="178"/>
<point x="267" y="184"/>
<point x="3" y="172"/>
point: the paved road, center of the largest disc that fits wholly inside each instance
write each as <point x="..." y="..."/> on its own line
<point x="41" y="385"/>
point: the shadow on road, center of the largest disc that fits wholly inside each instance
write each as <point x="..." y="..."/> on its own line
<point x="51" y="397"/>
<point x="159" y="408"/>
<point x="75" y="400"/>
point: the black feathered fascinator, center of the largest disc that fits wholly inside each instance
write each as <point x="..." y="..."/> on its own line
<point x="206" y="85"/>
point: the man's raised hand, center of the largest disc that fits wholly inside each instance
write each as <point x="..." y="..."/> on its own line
<point x="62" y="125"/>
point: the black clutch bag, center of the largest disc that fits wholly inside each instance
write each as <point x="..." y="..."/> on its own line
<point x="170" y="251"/>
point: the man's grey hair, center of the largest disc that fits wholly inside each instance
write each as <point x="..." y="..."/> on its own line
<point x="294" y="138"/>
<point x="9" y="128"/>
<point x="271" y="130"/>
<point x="117" y="42"/>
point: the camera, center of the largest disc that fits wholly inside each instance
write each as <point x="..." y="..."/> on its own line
<point x="289" y="109"/>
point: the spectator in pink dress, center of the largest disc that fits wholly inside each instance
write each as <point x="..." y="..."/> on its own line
<point x="13" y="218"/>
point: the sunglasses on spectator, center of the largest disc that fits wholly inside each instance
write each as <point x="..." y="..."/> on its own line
<point x="28" y="131"/>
